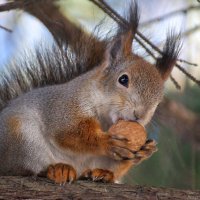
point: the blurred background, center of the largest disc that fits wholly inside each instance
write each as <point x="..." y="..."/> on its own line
<point x="176" y="126"/>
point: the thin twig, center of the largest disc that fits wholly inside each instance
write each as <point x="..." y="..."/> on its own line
<point x="146" y="48"/>
<point x="116" y="17"/>
<point x="188" y="74"/>
<point x="191" y="31"/>
<point x="6" y="29"/>
<point x="187" y="62"/>
<point x="175" y="82"/>
<point x="171" y="14"/>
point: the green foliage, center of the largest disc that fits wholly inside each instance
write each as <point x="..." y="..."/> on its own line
<point x="174" y="165"/>
<point x="190" y="98"/>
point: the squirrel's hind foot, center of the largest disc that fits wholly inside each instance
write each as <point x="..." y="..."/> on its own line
<point x="98" y="175"/>
<point x="61" y="173"/>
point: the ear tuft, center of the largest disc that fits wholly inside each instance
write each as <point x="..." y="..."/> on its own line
<point x="171" y="52"/>
<point x="133" y="17"/>
<point x="121" y="44"/>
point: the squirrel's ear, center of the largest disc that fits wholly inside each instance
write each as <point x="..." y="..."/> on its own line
<point x="121" y="45"/>
<point x="171" y="52"/>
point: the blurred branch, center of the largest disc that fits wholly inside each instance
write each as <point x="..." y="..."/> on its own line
<point x="6" y="29"/>
<point x="180" y="119"/>
<point x="48" y="13"/>
<point x="176" y="84"/>
<point x="187" y="62"/>
<point x="63" y="30"/>
<point x="191" y="31"/>
<point x="171" y="14"/>
<point x="66" y="32"/>
<point x="15" y="5"/>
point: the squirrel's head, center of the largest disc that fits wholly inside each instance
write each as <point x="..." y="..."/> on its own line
<point x="132" y="87"/>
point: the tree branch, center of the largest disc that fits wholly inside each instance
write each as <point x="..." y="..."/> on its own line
<point x="170" y="14"/>
<point x="29" y="188"/>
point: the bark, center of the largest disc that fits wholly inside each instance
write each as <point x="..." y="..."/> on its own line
<point x="41" y="188"/>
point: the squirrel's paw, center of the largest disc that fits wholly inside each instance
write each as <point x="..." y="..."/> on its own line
<point x="61" y="173"/>
<point x="98" y="175"/>
<point x="145" y="151"/>
<point x="119" y="148"/>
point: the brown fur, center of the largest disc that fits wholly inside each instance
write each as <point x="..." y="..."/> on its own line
<point x="61" y="173"/>
<point x="14" y="124"/>
<point x="86" y="137"/>
<point x="128" y="44"/>
<point x="98" y="175"/>
<point x="122" y="169"/>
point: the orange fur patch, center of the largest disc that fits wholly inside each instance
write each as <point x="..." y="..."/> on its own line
<point x="102" y="175"/>
<point x="86" y="137"/>
<point x="61" y="173"/>
<point x="14" y="124"/>
<point x="122" y="168"/>
<point x="98" y="175"/>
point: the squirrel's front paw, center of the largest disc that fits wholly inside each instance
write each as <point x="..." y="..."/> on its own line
<point x="125" y="139"/>
<point x="119" y="148"/>
<point x="61" y="173"/>
<point x="145" y="151"/>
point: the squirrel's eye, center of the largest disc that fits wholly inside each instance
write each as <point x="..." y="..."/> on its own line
<point x="123" y="80"/>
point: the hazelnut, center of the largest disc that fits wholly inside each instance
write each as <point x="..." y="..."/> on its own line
<point x="132" y="131"/>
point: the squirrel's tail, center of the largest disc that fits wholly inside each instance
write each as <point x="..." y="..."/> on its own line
<point x="73" y="53"/>
<point x="35" y="69"/>
<point x="39" y="68"/>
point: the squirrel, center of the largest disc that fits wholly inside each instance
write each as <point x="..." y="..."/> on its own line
<point x="54" y="120"/>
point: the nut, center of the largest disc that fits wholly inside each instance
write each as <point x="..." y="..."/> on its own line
<point x="132" y="131"/>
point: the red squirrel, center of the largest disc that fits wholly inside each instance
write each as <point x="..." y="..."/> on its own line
<point x="57" y="108"/>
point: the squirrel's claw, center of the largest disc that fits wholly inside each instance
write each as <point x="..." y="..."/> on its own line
<point x="118" y="148"/>
<point x="98" y="175"/>
<point x="145" y="151"/>
<point x="121" y="153"/>
<point x="61" y="173"/>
